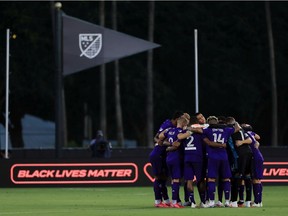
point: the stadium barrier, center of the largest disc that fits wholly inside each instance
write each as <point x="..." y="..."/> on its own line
<point x="122" y="169"/>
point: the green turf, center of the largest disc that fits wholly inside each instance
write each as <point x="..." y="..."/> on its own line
<point x="124" y="201"/>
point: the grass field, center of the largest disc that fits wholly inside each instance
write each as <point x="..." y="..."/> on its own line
<point x="124" y="201"/>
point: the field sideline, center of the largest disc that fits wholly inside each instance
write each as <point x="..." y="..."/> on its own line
<point x="120" y="201"/>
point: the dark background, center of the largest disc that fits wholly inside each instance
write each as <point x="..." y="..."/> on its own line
<point x="234" y="69"/>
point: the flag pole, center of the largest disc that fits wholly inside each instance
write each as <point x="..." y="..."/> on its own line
<point x="196" y="71"/>
<point x="7" y="93"/>
<point x="59" y="133"/>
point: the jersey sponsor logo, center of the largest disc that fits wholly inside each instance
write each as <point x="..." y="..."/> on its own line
<point x="90" y="45"/>
<point x="80" y="173"/>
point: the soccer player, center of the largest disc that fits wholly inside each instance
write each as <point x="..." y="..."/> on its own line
<point x="221" y="122"/>
<point x="200" y="117"/>
<point x="218" y="164"/>
<point x="194" y="153"/>
<point x="173" y="160"/>
<point x="243" y="174"/>
<point x="158" y="161"/>
<point x="258" y="161"/>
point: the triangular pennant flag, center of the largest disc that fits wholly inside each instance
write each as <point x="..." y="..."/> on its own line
<point x="87" y="45"/>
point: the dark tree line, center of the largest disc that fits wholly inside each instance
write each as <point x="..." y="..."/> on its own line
<point x="234" y="70"/>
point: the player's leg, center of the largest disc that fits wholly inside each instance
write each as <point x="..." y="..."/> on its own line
<point x="212" y="175"/>
<point x="257" y="184"/>
<point x="188" y="187"/>
<point x="157" y="167"/>
<point x="225" y="172"/>
<point x="175" y="172"/>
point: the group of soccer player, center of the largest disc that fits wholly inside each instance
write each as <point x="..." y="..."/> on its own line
<point x="214" y="152"/>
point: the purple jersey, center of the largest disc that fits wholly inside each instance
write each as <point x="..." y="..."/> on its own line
<point x="161" y="150"/>
<point x="258" y="158"/>
<point x="193" y="157"/>
<point x="193" y="148"/>
<point x="256" y="152"/>
<point x="218" y="135"/>
<point x="173" y="160"/>
<point x="158" y="155"/>
<point x="171" y="135"/>
<point x="166" y="124"/>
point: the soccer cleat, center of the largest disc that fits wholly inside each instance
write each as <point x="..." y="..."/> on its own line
<point x="241" y="204"/>
<point x="167" y="203"/>
<point x="219" y="204"/>
<point x="204" y="205"/>
<point x="256" y="205"/>
<point x="247" y="204"/>
<point x="211" y="204"/>
<point x="193" y="205"/>
<point x="177" y="205"/>
<point x="161" y="205"/>
<point x="227" y="204"/>
<point x="234" y="204"/>
<point x="187" y="203"/>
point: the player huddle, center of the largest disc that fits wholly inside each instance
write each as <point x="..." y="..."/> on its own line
<point x="217" y="152"/>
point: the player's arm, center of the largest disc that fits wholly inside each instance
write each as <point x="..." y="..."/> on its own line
<point x="214" y="144"/>
<point x="257" y="137"/>
<point x="242" y="142"/>
<point x="195" y="129"/>
<point x="182" y="136"/>
<point x="161" y="137"/>
<point x="174" y="146"/>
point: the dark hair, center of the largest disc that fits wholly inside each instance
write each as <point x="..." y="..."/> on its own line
<point x="221" y="119"/>
<point x="193" y="120"/>
<point x="177" y="114"/>
<point x="230" y="120"/>
<point x="247" y="127"/>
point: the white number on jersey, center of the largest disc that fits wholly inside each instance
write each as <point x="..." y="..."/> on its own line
<point x="218" y="138"/>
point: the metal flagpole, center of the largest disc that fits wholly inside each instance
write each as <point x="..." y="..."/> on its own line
<point x="59" y="130"/>
<point x="196" y="70"/>
<point x="7" y="94"/>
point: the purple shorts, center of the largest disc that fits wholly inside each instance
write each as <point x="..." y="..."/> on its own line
<point x="218" y="168"/>
<point x="192" y="169"/>
<point x="175" y="170"/>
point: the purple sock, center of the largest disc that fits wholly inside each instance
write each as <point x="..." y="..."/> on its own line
<point x="211" y="190"/>
<point x="257" y="192"/>
<point x="261" y="189"/>
<point x="227" y="189"/>
<point x="164" y="190"/>
<point x="157" y="189"/>
<point x="175" y="190"/>
<point x="220" y="190"/>
<point x="191" y="197"/>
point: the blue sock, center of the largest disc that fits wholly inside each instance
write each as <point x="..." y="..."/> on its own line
<point x="175" y="191"/>
<point x="227" y="189"/>
<point x="191" y="197"/>
<point x="257" y="192"/>
<point x="220" y="190"/>
<point x="211" y="190"/>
